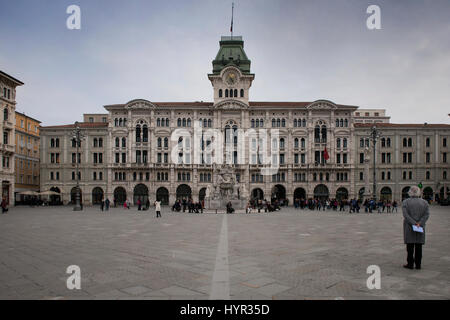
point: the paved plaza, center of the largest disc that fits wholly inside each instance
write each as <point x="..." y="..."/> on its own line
<point x="292" y="254"/>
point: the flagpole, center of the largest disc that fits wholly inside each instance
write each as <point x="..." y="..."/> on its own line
<point x="232" y="14"/>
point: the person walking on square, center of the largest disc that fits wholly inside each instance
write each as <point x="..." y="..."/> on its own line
<point x="139" y="203"/>
<point x="416" y="213"/>
<point x="158" y="208"/>
<point x="4" y="206"/>
<point x="394" y="206"/>
<point x="107" y="203"/>
<point x="102" y="204"/>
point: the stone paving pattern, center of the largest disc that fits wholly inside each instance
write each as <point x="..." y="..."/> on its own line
<point x="292" y="254"/>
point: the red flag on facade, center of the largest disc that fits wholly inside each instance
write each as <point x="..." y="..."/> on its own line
<point x="326" y="156"/>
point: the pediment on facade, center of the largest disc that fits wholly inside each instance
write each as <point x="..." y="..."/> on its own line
<point x="231" y="104"/>
<point x="140" y="104"/>
<point x="322" y="105"/>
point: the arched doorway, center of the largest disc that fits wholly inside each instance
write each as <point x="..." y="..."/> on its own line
<point x="257" y="194"/>
<point x="120" y="195"/>
<point x="97" y="195"/>
<point x="321" y="192"/>
<point x="73" y="193"/>
<point x="386" y="194"/>
<point x="162" y="194"/>
<point x="405" y="194"/>
<point x="428" y="193"/>
<point x="300" y="193"/>
<point x="140" y="193"/>
<point x="184" y="192"/>
<point x="202" y="194"/>
<point x="341" y="194"/>
<point x="55" y="199"/>
<point x="361" y="193"/>
<point x="278" y="192"/>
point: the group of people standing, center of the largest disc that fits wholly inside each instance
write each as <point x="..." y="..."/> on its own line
<point x="188" y="204"/>
<point x="353" y="205"/>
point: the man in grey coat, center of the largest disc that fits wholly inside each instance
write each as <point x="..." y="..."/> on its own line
<point x="415" y="212"/>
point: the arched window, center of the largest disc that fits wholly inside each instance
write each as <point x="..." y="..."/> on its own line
<point x="261" y="123"/>
<point x="337" y="122"/>
<point x="317" y="133"/>
<point x="189" y="122"/>
<point x="100" y="142"/>
<point x="296" y="143"/>
<point x="303" y="143"/>
<point x="324" y="133"/>
<point x="253" y="123"/>
<point x="341" y="122"/>
<point x="281" y="143"/>
<point x="304" y="123"/>
<point x="184" y="122"/>
<point x="220" y="93"/>
<point x="346" y="122"/>
<point x="295" y="122"/>
<point x="383" y="142"/>
<point x="235" y="93"/>
<point x="179" y="122"/>
<point x="205" y="123"/>
<point x="166" y="142"/>
<point x="345" y="143"/>
<point x="257" y="123"/>
<point x="158" y="122"/>
<point x="338" y="143"/>
<point x="242" y="93"/>
<point x="95" y="143"/>
<point x="116" y="122"/>
<point x="167" y="122"/>
<point x="283" y="122"/>
<point x="278" y="123"/>
<point x="404" y="142"/>
<point x="159" y="142"/>
<point x="273" y="123"/>
<point x="361" y="143"/>
<point x="209" y="123"/>
<point x="410" y="142"/>
<point x="117" y="142"/>
<point x="138" y="133"/>
<point x="120" y="122"/>
<point x="145" y="133"/>
<point x="226" y="93"/>
<point x="388" y="142"/>
<point x="52" y="143"/>
<point x="124" y="142"/>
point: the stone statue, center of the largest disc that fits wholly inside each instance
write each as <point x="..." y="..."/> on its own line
<point x="208" y="192"/>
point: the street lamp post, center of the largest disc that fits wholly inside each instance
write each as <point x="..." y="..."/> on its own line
<point x="374" y="134"/>
<point x="77" y="136"/>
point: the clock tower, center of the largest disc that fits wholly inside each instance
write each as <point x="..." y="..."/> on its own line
<point x="231" y="78"/>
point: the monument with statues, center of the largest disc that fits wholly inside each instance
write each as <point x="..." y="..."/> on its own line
<point x="224" y="189"/>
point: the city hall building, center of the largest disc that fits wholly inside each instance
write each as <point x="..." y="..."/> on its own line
<point x="322" y="148"/>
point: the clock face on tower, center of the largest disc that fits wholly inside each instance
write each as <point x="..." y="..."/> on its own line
<point x="231" y="78"/>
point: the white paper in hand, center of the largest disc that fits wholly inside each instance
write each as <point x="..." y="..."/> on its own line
<point x="417" y="229"/>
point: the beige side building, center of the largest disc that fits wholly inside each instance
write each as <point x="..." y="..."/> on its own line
<point x="8" y="85"/>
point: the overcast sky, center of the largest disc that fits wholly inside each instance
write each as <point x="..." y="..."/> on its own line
<point x="161" y="50"/>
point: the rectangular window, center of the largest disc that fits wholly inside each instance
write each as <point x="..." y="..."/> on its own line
<point x="117" y="157"/>
<point x="124" y="157"/>
<point x="345" y="158"/>
<point x="409" y="157"/>
<point x="338" y="158"/>
<point x="361" y="176"/>
<point x="444" y="157"/>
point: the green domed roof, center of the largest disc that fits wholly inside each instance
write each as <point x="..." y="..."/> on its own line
<point x="231" y="52"/>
